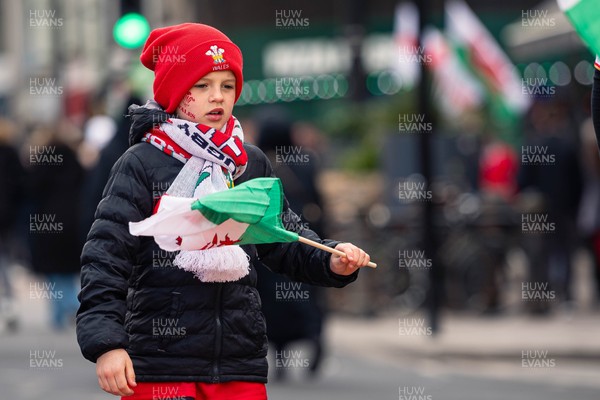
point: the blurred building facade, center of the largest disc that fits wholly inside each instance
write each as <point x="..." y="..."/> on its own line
<point x="60" y="47"/>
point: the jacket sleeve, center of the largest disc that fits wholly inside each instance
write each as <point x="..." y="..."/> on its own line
<point x="108" y="258"/>
<point x="298" y="261"/>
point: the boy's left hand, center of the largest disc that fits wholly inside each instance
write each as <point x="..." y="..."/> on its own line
<point x="355" y="259"/>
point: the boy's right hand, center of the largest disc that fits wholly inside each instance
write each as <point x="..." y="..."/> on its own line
<point x="115" y="372"/>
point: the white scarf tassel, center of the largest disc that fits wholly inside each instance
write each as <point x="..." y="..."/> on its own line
<point x="220" y="264"/>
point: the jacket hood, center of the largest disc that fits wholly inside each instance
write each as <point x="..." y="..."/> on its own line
<point x="143" y="118"/>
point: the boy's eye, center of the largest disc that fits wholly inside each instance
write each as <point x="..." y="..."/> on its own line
<point x="228" y="86"/>
<point x="201" y="85"/>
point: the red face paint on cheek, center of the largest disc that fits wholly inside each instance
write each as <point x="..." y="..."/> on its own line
<point x="187" y="101"/>
<point x="187" y="112"/>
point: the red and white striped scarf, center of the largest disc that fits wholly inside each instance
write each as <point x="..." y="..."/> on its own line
<point x="183" y="139"/>
<point x="212" y="160"/>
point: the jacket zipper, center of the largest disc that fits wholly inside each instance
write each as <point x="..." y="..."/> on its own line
<point x="218" y="336"/>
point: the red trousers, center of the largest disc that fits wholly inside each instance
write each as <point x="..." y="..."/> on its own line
<point x="198" y="391"/>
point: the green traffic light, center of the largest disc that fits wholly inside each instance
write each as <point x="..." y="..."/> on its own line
<point x="131" y="30"/>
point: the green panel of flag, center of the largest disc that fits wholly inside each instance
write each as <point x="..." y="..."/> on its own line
<point x="585" y="17"/>
<point x="258" y="203"/>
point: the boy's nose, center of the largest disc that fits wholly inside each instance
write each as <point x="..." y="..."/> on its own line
<point x="216" y="95"/>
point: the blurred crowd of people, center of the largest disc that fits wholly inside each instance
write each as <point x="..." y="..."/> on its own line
<point x="52" y="176"/>
<point x="543" y="179"/>
<point x="541" y="198"/>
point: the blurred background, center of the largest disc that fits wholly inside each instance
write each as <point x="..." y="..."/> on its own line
<point x="451" y="140"/>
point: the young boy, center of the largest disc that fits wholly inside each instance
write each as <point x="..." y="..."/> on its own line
<point x="156" y="331"/>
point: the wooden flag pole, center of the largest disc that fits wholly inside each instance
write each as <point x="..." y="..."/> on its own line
<point x="329" y="249"/>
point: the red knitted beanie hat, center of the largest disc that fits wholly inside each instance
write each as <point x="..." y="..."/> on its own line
<point x="180" y="55"/>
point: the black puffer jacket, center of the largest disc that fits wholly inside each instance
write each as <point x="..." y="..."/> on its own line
<point x="175" y="327"/>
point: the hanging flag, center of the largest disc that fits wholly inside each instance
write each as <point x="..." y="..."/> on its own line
<point x="487" y="59"/>
<point x="406" y="37"/>
<point x="249" y="213"/>
<point x="456" y="89"/>
<point x="585" y="17"/>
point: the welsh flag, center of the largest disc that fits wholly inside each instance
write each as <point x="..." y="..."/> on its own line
<point x="406" y="37"/>
<point x="249" y="213"/>
<point x="484" y="56"/>
<point x="457" y="90"/>
<point x="585" y="17"/>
